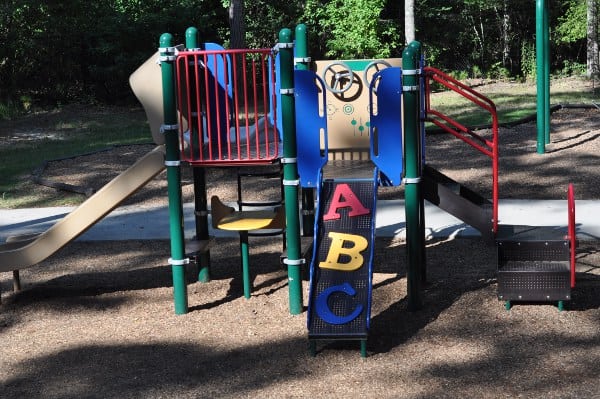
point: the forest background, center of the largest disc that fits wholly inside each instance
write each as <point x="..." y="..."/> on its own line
<point x="67" y="51"/>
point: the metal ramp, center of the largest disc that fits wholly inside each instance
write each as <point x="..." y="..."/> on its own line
<point x="341" y="270"/>
<point x="459" y="201"/>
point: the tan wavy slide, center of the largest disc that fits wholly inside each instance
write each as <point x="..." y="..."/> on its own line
<point x="25" y="253"/>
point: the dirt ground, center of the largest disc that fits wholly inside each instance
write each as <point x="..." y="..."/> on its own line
<point x="96" y="320"/>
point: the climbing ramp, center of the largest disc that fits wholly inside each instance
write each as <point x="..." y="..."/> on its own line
<point x="341" y="269"/>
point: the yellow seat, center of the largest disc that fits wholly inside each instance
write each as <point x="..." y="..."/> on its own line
<point x="227" y="218"/>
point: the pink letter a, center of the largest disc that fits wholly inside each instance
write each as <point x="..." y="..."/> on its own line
<point x="343" y="197"/>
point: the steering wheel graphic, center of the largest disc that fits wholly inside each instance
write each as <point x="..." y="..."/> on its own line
<point x="378" y="65"/>
<point x="338" y="77"/>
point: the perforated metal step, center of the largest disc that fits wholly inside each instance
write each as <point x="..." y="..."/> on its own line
<point x="533" y="264"/>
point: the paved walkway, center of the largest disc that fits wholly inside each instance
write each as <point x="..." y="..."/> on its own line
<point x="135" y="223"/>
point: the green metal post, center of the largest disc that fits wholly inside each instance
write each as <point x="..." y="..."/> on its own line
<point x="421" y="135"/>
<point x="540" y="75"/>
<point x="546" y="74"/>
<point x="308" y="194"/>
<point x="200" y="197"/>
<point x="170" y="128"/>
<point x="290" y="171"/>
<point x="414" y="239"/>
<point x="245" y="263"/>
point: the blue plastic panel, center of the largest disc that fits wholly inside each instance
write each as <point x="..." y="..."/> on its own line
<point x="219" y="92"/>
<point x="308" y="89"/>
<point x="386" y="123"/>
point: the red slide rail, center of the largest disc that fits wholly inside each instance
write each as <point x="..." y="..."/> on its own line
<point x="462" y="132"/>
<point x="226" y="100"/>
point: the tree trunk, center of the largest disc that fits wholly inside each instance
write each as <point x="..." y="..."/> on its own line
<point x="409" y="20"/>
<point x="506" y="60"/>
<point x="592" y="39"/>
<point x="236" y="24"/>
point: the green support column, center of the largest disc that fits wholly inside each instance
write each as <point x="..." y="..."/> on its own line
<point x="546" y="73"/>
<point x="245" y="264"/>
<point x="542" y="75"/>
<point x="290" y="171"/>
<point x="415" y="241"/>
<point x="170" y="128"/>
<point x="308" y="194"/>
<point x="200" y="197"/>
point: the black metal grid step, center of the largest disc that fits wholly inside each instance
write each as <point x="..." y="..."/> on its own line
<point x="536" y="270"/>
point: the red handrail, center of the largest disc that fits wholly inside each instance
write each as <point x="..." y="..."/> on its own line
<point x="462" y="132"/>
<point x="572" y="234"/>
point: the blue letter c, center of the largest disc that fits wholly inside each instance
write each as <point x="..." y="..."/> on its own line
<point x="325" y="312"/>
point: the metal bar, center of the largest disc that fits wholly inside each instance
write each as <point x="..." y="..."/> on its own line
<point x="414" y="240"/>
<point x="173" y="182"/>
<point x="290" y="172"/>
<point x="484" y="103"/>
<point x="236" y="106"/>
<point x="540" y="56"/>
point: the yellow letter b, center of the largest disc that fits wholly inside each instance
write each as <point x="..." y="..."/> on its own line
<point x="337" y="248"/>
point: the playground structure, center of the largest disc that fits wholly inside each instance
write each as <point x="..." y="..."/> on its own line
<point x="209" y="118"/>
<point x="217" y="106"/>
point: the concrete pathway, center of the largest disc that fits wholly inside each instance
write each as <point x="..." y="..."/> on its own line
<point x="146" y="223"/>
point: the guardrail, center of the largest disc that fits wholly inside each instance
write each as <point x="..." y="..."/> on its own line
<point x="462" y="132"/>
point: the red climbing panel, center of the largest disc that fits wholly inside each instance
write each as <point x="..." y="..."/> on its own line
<point x="226" y="100"/>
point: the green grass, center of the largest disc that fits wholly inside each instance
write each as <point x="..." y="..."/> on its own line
<point x="513" y="101"/>
<point x="65" y="133"/>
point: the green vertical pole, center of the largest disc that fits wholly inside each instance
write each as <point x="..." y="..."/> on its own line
<point x="540" y="72"/>
<point x="170" y="128"/>
<point x="245" y="263"/>
<point x="546" y="74"/>
<point x="290" y="171"/>
<point x="421" y="136"/>
<point x="200" y="197"/>
<point x="412" y="155"/>
<point x="308" y="196"/>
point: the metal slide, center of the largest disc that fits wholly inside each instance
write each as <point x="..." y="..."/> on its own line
<point x="25" y="253"/>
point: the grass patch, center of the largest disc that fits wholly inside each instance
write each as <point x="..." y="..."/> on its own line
<point x="513" y="101"/>
<point x="29" y="140"/>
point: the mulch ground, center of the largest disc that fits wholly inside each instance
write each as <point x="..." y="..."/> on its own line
<point x="96" y="320"/>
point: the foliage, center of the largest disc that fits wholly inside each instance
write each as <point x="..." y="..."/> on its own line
<point x="74" y="50"/>
<point x="572" y="25"/>
<point x="528" y="61"/>
<point x="352" y="28"/>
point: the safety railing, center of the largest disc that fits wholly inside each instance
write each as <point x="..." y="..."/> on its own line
<point x="462" y="132"/>
<point x="227" y="101"/>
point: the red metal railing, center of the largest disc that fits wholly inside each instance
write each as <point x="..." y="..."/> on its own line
<point x="227" y="107"/>
<point x="483" y="145"/>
